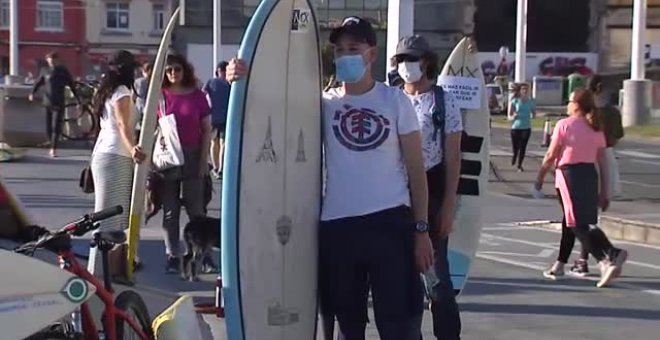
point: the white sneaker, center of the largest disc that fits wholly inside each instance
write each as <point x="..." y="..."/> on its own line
<point x="556" y="271"/>
<point x="607" y="273"/>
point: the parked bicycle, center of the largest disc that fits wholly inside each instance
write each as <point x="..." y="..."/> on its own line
<point x="118" y="323"/>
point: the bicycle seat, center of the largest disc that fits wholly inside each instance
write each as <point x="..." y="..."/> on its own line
<point x="112" y="236"/>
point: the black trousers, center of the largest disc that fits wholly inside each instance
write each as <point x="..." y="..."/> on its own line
<point x="54" y="117"/>
<point x="519" y="140"/>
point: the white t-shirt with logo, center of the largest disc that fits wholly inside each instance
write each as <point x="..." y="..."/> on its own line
<point x="432" y="139"/>
<point x="109" y="139"/>
<point x="365" y="171"/>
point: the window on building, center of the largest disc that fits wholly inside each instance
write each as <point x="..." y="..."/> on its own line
<point x="50" y="14"/>
<point x="159" y="17"/>
<point x="117" y="14"/>
<point x="4" y="14"/>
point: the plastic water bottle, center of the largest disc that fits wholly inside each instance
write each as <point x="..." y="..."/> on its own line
<point x="430" y="281"/>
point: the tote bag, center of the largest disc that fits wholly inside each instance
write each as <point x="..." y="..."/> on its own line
<point x="168" y="152"/>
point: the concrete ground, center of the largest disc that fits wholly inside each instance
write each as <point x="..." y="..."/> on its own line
<point x="506" y="297"/>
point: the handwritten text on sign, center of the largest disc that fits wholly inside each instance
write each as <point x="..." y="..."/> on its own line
<point x="466" y="91"/>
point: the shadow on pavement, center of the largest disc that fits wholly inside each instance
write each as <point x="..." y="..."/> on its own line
<point x="604" y="312"/>
<point x="490" y="286"/>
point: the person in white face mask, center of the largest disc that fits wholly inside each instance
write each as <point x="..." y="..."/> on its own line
<point x="441" y="125"/>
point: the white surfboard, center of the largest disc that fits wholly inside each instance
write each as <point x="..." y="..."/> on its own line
<point x="272" y="183"/>
<point x="146" y="142"/>
<point x="463" y="242"/>
<point x="179" y="321"/>
<point x="37" y="295"/>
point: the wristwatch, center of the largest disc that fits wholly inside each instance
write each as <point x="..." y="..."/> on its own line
<point x="421" y="227"/>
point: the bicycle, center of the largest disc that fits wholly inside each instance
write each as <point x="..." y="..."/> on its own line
<point x="116" y="312"/>
<point x="83" y="124"/>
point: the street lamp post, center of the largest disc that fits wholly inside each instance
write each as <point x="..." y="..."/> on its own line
<point x="637" y="90"/>
<point x="400" y="21"/>
<point x="13" y="40"/>
<point x="217" y="33"/>
<point x="521" y="41"/>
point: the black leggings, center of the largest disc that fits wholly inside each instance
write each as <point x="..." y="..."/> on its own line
<point x="54" y="117"/>
<point x="519" y="140"/>
<point x="593" y="239"/>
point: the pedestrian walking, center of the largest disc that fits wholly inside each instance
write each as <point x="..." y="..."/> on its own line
<point x="578" y="145"/>
<point x="610" y="118"/>
<point x="115" y="151"/>
<point x="140" y="89"/>
<point x="374" y="226"/>
<point x="441" y="127"/>
<point x="184" y="185"/>
<point x="54" y="79"/>
<point x="217" y="91"/>
<point x="523" y="109"/>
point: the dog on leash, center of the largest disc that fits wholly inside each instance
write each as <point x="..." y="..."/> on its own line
<point x="153" y="202"/>
<point x="200" y="235"/>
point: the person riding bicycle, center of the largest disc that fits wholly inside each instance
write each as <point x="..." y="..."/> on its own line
<point x="55" y="78"/>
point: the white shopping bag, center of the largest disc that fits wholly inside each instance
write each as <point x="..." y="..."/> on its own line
<point x="167" y="149"/>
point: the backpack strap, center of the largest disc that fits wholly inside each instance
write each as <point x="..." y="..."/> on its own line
<point x="439" y="115"/>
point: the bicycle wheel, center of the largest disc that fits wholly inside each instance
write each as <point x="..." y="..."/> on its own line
<point x="131" y="303"/>
<point x="80" y="125"/>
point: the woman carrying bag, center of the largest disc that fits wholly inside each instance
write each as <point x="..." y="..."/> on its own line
<point x="186" y="108"/>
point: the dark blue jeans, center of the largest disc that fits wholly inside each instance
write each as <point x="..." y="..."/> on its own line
<point x="371" y="252"/>
<point x="446" y="316"/>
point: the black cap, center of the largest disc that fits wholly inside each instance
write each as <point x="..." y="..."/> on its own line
<point x="357" y="28"/>
<point x="413" y="45"/>
<point x="123" y="58"/>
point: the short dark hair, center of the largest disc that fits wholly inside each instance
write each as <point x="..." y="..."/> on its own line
<point x="147" y="66"/>
<point x="52" y="55"/>
<point x="222" y="66"/>
<point x="594" y="82"/>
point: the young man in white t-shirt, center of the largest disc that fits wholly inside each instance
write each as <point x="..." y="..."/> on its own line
<point x="374" y="228"/>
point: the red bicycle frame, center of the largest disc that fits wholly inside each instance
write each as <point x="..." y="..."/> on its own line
<point x="111" y="313"/>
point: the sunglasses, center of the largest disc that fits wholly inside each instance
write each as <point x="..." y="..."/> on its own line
<point x="407" y="58"/>
<point x="173" y="69"/>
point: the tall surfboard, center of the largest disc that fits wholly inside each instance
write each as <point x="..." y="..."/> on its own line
<point x="36" y="295"/>
<point x="272" y="184"/>
<point x="462" y="76"/>
<point x="146" y="142"/>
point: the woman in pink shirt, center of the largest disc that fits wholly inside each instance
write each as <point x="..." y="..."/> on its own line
<point x="184" y="185"/>
<point x="577" y="146"/>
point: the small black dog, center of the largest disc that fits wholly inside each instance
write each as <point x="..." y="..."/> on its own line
<point x="200" y="234"/>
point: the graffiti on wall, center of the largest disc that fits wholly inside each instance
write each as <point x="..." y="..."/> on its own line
<point x="539" y="64"/>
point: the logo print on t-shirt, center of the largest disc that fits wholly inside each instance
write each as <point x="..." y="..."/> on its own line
<point x="360" y="129"/>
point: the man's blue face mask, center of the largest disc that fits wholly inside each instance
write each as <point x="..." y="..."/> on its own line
<point x="350" y="68"/>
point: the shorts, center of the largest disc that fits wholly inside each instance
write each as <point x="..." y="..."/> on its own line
<point x="219" y="130"/>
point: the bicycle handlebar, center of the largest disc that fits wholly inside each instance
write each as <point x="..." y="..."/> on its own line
<point x="78" y="228"/>
<point x="106" y="213"/>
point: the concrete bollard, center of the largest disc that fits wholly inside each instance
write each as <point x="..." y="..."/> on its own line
<point x="637" y="102"/>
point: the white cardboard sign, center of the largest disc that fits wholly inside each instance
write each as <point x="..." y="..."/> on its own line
<point x="466" y="90"/>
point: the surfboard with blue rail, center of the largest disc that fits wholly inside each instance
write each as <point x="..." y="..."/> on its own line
<point x="272" y="178"/>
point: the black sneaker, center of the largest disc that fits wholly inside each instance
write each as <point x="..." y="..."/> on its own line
<point x="580" y="268"/>
<point x="208" y="267"/>
<point x="172" y="265"/>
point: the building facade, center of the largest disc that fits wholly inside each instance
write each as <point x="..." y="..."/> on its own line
<point x="442" y="22"/>
<point x="132" y="25"/>
<point x="44" y="26"/>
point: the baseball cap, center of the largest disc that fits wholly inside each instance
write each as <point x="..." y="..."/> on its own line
<point x="413" y="45"/>
<point x="357" y="28"/>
